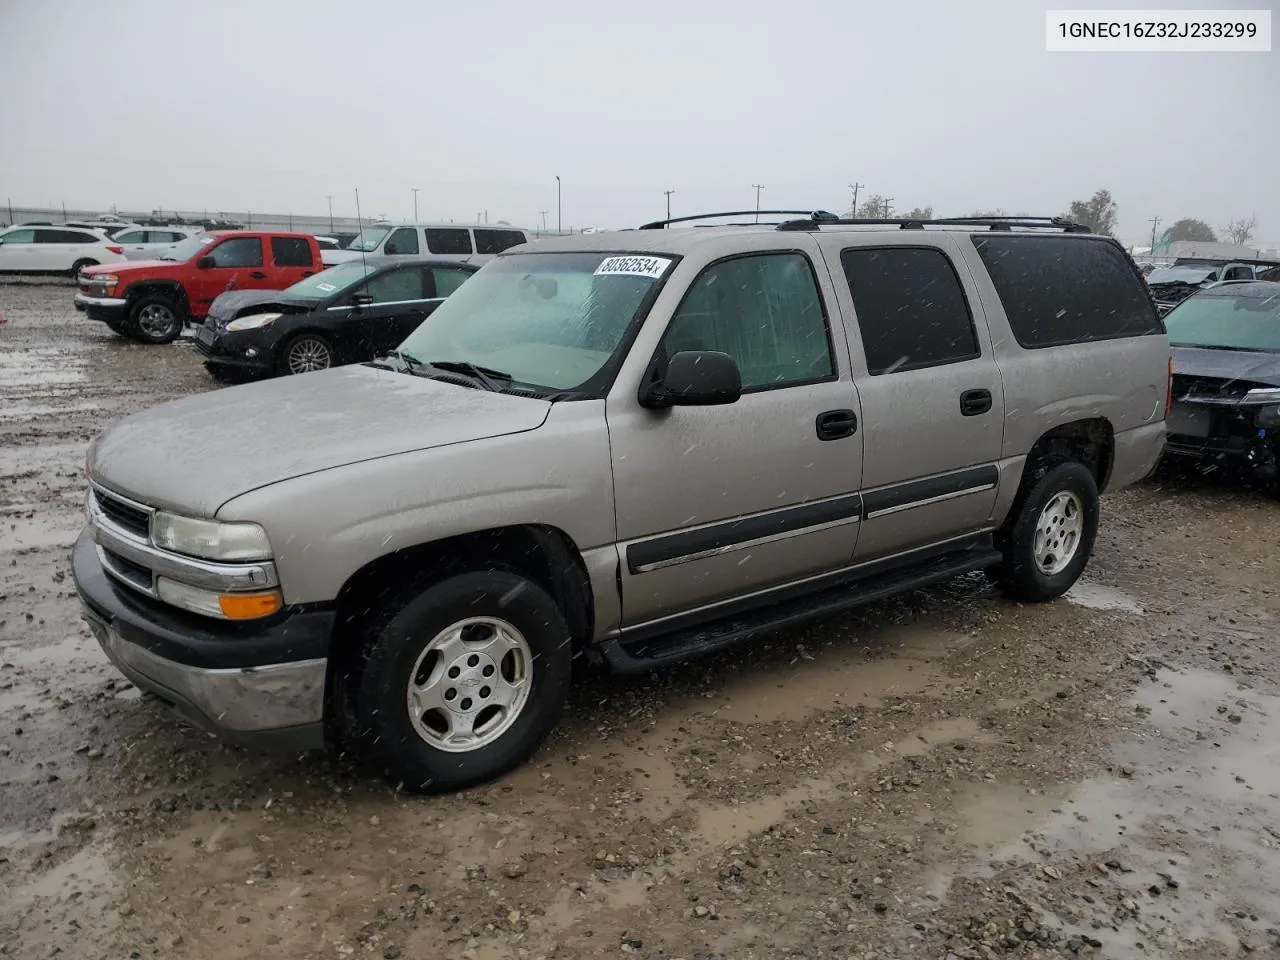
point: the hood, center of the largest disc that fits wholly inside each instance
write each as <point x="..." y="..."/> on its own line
<point x="133" y="267"/>
<point x="233" y="303"/>
<point x="193" y="455"/>
<point x="1238" y="366"/>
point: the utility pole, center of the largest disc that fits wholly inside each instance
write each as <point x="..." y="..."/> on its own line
<point x="330" y="199"/>
<point x="558" y="222"/>
<point x="1155" y="222"/>
<point x="885" y="208"/>
<point x="668" y="193"/>
<point x="759" y="187"/>
<point x="415" y="203"/>
<point x="544" y="220"/>
<point x="855" y="187"/>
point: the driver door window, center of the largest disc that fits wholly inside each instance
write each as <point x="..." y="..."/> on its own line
<point x="403" y="242"/>
<point x="238" y="252"/>
<point x="396" y="286"/>
<point x="765" y="312"/>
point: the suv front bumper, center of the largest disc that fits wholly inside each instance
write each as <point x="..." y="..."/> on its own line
<point x="265" y="687"/>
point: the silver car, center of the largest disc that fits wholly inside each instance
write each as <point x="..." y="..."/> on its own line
<point x="151" y="243"/>
<point x="631" y="447"/>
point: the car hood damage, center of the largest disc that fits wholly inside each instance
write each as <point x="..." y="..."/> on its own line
<point x="243" y="303"/>
<point x="193" y="455"/>
<point x="1218" y="376"/>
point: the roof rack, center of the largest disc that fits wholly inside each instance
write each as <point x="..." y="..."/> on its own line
<point x="907" y="223"/>
<point x="814" y="216"/>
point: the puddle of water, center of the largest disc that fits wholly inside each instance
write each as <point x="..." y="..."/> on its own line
<point x="1196" y="794"/>
<point x="1095" y="596"/>
<point x="839" y="676"/>
<point x="41" y="367"/>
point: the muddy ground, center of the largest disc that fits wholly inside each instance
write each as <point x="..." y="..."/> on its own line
<point x="947" y="774"/>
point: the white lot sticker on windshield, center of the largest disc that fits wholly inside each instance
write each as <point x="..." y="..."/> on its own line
<point x="652" y="267"/>
<point x="326" y="287"/>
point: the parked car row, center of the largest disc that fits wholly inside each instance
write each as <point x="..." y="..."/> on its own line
<point x="62" y="249"/>
<point x="634" y="448"/>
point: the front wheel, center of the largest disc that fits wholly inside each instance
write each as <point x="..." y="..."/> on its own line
<point x="1051" y="535"/>
<point x="462" y="680"/>
<point x="155" y="319"/>
<point x="120" y="327"/>
<point x="306" y="353"/>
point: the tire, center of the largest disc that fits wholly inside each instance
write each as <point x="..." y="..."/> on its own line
<point x="1051" y="535"/>
<point x="420" y="638"/>
<point x="155" y="318"/>
<point x="306" y="353"/>
<point x="80" y="265"/>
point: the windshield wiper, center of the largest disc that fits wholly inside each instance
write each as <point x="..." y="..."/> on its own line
<point x="486" y="375"/>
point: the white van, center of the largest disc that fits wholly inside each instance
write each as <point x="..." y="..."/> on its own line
<point x="447" y="241"/>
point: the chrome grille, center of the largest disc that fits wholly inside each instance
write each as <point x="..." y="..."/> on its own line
<point x="135" y="574"/>
<point x="123" y="514"/>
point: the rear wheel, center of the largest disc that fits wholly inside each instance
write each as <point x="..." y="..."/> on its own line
<point x="1051" y="535"/>
<point x="306" y="353"/>
<point x="462" y="680"/>
<point x="156" y="319"/>
<point x="80" y="265"/>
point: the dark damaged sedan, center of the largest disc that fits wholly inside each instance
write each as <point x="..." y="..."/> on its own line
<point x="1226" y="378"/>
<point x="347" y="314"/>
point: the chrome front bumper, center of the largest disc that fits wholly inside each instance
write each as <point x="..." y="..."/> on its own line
<point x="85" y="301"/>
<point x="283" y="700"/>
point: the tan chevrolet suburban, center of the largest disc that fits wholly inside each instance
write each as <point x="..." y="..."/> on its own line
<point x="633" y="447"/>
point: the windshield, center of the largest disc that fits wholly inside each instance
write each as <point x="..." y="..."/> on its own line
<point x="184" y="250"/>
<point x="328" y="282"/>
<point x="1233" y="323"/>
<point x="366" y="241"/>
<point x="551" y="320"/>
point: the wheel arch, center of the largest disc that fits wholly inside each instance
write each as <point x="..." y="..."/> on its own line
<point x="544" y="554"/>
<point x="1090" y="441"/>
<point x="168" y="288"/>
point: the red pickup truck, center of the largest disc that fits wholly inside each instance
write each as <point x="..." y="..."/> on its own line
<point x="151" y="300"/>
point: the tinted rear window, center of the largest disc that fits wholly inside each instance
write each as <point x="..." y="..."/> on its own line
<point x="1058" y="290"/>
<point x="495" y="241"/>
<point x="291" y="251"/>
<point x="449" y="241"/>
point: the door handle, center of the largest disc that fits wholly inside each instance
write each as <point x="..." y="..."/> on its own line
<point x="836" y="424"/>
<point x="975" y="402"/>
<point x="258" y="275"/>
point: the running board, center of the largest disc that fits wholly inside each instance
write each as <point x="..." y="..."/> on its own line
<point x="640" y="653"/>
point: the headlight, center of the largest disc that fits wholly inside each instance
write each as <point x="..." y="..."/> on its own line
<point x="107" y="278"/>
<point x="254" y="322"/>
<point x="209" y="538"/>
<point x="1263" y="395"/>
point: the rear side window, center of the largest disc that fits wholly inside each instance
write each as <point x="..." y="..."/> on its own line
<point x="912" y="312"/>
<point x="238" y="252"/>
<point x="66" y="236"/>
<point x="449" y="241"/>
<point x="495" y="241"/>
<point x="1058" y="290"/>
<point x="396" y="285"/>
<point x="290" y="251"/>
<point x="447" y="279"/>
<point x="133" y="236"/>
<point x="403" y="241"/>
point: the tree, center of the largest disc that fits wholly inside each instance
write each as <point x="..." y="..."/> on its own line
<point x="1240" y="230"/>
<point x="875" y="207"/>
<point x="997" y="212"/>
<point x="1191" y="229"/>
<point x="919" y="213"/>
<point x="1098" y="213"/>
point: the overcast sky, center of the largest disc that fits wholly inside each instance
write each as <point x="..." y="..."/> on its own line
<point x="272" y="105"/>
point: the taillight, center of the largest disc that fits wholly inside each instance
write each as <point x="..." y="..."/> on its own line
<point x="1168" y="393"/>
<point x="115" y="249"/>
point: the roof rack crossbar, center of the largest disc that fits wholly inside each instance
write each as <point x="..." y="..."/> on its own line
<point x="1001" y="223"/>
<point x="813" y="215"/>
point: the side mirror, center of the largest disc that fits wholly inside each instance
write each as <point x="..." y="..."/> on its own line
<point x="206" y="263"/>
<point x="694" y="378"/>
<point x="361" y="299"/>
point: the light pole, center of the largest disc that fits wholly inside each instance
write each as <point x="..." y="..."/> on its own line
<point x="759" y="187"/>
<point x="668" y="193"/>
<point x="559" y="226"/>
<point x="330" y="199"/>
<point x="415" y="203"/>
